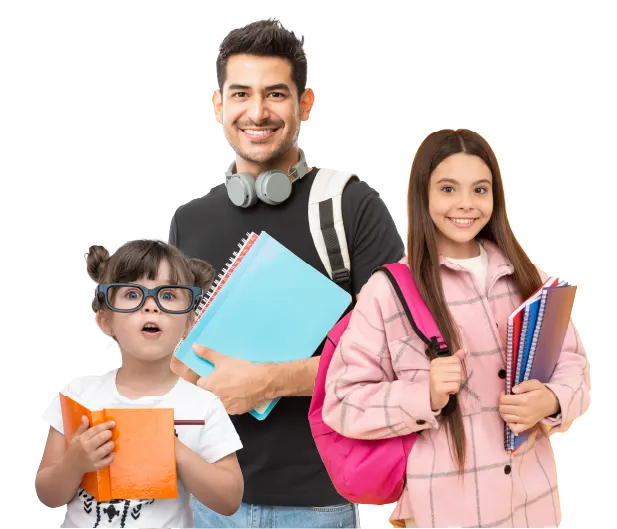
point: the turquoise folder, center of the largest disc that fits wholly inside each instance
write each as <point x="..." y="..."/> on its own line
<point x="273" y="308"/>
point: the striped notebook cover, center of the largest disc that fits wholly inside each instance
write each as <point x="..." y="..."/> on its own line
<point x="266" y="306"/>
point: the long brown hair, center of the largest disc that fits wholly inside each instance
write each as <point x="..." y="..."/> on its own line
<point x="423" y="254"/>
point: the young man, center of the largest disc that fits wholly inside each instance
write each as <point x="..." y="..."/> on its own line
<point x="261" y="100"/>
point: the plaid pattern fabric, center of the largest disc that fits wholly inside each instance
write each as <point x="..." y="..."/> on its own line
<point x="378" y="386"/>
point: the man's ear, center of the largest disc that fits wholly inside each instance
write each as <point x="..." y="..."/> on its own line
<point x="104" y="323"/>
<point x="217" y="103"/>
<point x="306" y="104"/>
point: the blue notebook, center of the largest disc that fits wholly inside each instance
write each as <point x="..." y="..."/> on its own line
<point x="268" y="306"/>
<point x="531" y="313"/>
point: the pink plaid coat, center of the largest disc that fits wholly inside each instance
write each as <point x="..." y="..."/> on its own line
<point x="377" y="386"/>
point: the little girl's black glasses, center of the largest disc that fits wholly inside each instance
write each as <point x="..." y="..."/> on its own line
<point x="130" y="297"/>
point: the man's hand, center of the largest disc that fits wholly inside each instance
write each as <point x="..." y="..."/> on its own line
<point x="183" y="371"/>
<point x="532" y="401"/>
<point x="241" y="385"/>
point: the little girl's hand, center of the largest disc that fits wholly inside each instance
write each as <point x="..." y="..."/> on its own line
<point x="446" y="376"/>
<point x="532" y="401"/>
<point x="91" y="448"/>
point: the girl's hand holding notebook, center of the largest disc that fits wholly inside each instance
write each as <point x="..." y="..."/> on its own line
<point x="532" y="401"/>
<point x="91" y="448"/>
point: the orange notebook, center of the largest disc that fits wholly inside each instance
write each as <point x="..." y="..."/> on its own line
<point x="144" y="465"/>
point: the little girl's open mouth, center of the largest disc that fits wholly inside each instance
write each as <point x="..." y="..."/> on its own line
<point x="151" y="330"/>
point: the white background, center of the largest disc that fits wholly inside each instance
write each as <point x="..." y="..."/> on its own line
<point x="106" y="127"/>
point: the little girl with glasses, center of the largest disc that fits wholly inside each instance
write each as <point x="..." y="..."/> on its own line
<point x="145" y="299"/>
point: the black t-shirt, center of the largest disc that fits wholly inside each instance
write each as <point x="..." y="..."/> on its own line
<point x="279" y="460"/>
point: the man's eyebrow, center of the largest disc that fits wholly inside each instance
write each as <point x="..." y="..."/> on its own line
<point x="238" y="87"/>
<point x="278" y="86"/>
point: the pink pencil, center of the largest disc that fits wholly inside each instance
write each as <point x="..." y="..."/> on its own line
<point x="186" y="422"/>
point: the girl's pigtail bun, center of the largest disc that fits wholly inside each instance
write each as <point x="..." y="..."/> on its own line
<point x="97" y="258"/>
<point x="203" y="273"/>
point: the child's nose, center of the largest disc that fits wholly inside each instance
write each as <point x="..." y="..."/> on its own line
<point x="466" y="202"/>
<point x="150" y="305"/>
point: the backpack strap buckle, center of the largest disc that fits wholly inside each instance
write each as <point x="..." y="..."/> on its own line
<point x="341" y="276"/>
<point x="440" y="349"/>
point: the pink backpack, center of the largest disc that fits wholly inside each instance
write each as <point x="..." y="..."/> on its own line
<point x="371" y="471"/>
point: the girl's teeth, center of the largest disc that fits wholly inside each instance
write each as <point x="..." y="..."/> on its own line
<point x="463" y="221"/>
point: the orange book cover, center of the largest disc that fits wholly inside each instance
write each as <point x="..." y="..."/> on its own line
<point x="144" y="465"/>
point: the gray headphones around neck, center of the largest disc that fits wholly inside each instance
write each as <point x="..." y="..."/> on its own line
<point x="272" y="187"/>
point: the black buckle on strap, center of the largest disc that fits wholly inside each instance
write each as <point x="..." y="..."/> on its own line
<point x="440" y="349"/>
<point x="341" y="277"/>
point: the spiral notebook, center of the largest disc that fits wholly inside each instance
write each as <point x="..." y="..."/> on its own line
<point x="548" y="314"/>
<point x="267" y="305"/>
<point x="519" y="323"/>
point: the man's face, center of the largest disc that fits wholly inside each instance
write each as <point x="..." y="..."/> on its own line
<point x="259" y="107"/>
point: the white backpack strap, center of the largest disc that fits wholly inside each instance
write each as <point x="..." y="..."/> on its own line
<point x="326" y="223"/>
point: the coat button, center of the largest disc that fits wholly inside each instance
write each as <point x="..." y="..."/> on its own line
<point x="501" y="373"/>
<point x="507" y="469"/>
<point x="420" y="422"/>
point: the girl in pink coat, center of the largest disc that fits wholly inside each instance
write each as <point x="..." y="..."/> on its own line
<point x="382" y="381"/>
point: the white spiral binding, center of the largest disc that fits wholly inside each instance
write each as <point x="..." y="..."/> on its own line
<point x="220" y="276"/>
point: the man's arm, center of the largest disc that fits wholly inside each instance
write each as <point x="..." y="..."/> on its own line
<point x="291" y="379"/>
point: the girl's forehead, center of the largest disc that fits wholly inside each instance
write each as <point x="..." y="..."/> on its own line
<point x="151" y="274"/>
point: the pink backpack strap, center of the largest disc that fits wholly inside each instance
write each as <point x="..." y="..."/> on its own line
<point x="419" y="316"/>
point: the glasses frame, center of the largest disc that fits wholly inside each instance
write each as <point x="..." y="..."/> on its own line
<point x="197" y="296"/>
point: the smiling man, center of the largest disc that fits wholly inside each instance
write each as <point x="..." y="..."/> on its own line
<point x="261" y="101"/>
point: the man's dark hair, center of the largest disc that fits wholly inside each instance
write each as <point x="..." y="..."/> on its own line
<point x="265" y="38"/>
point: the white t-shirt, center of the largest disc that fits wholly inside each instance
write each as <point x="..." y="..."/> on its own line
<point x="476" y="265"/>
<point x="212" y="441"/>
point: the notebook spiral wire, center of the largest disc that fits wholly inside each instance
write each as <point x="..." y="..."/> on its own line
<point x="214" y="286"/>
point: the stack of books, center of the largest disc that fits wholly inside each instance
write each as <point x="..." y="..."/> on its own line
<point x="536" y="331"/>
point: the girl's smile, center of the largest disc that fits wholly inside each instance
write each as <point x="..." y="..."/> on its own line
<point x="462" y="222"/>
